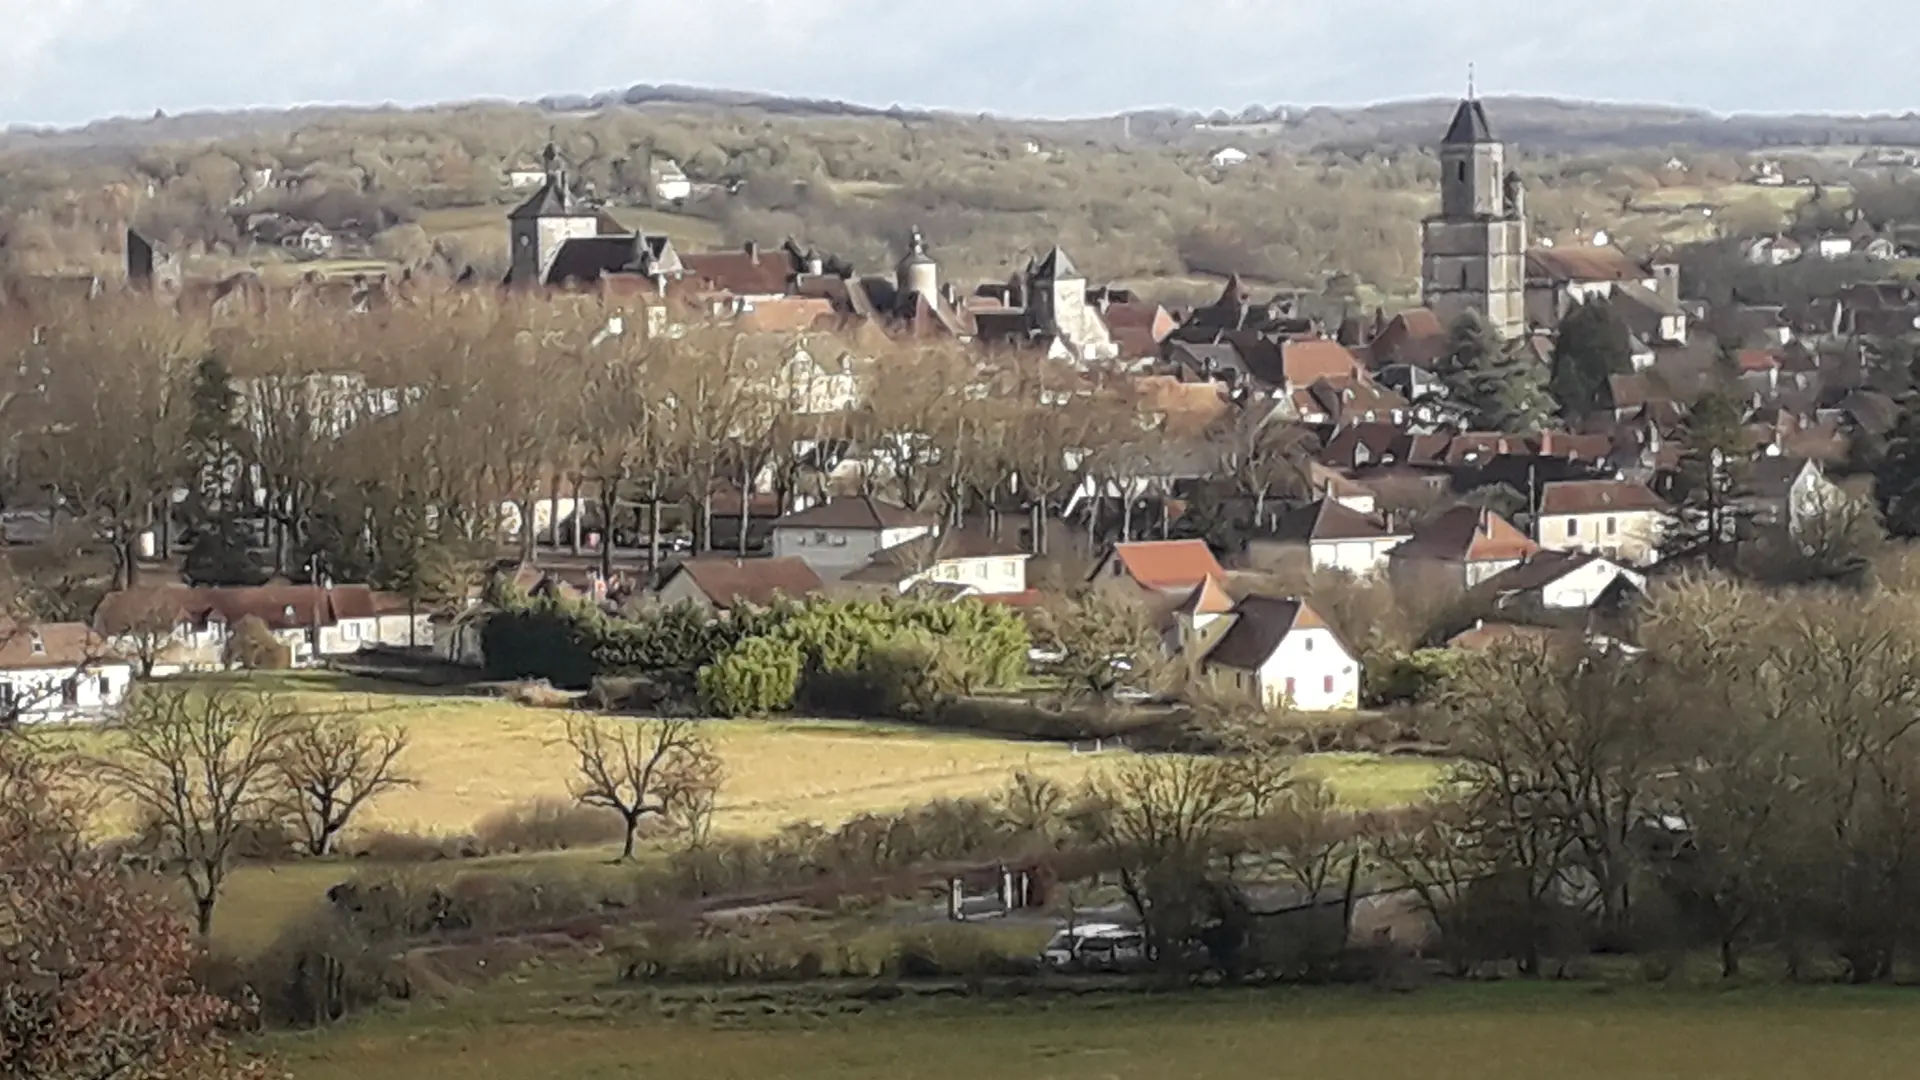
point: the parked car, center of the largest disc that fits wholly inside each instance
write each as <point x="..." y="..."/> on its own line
<point x="1095" y="947"/>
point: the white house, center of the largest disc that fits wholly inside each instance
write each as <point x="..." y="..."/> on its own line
<point x="191" y="626"/>
<point x="1563" y="581"/>
<point x="1334" y="537"/>
<point x="670" y="183"/>
<point x="1616" y="518"/>
<point x="60" y="673"/>
<point x="526" y="176"/>
<point x="1774" y="251"/>
<point x="1281" y="653"/>
<point x="964" y="558"/>
<point x="1460" y="549"/>
<point x="1833" y="247"/>
<point x="722" y="585"/>
<point x="1228" y="157"/>
<point x="842" y="535"/>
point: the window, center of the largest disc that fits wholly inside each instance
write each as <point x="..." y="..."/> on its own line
<point x="1289" y="689"/>
<point x="106" y="689"/>
<point x="819" y="538"/>
<point x="349" y="630"/>
<point x="70" y="692"/>
<point x="1327" y="684"/>
<point x="1309" y="644"/>
<point x="1460" y="172"/>
<point x="7" y="695"/>
<point x="1610" y="526"/>
<point x="1573" y="527"/>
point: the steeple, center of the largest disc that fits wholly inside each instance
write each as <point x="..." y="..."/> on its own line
<point x="1055" y="266"/>
<point x="1469" y="125"/>
<point x="918" y="273"/>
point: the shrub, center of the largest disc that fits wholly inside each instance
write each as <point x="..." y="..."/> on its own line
<point x="254" y="647"/>
<point x="400" y="847"/>
<point x="539" y="695"/>
<point x="548" y="825"/>
<point x="758" y="676"/>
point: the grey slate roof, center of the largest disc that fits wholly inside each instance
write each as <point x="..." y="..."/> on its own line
<point x="1469" y="125"/>
<point x="1055" y="266"/>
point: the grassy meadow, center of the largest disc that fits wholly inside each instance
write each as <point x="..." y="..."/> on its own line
<point x="1509" y="1031"/>
<point x="474" y="756"/>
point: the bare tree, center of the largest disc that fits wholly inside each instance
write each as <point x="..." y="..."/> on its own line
<point x="200" y="765"/>
<point x="657" y="768"/>
<point x="144" y="623"/>
<point x="332" y="766"/>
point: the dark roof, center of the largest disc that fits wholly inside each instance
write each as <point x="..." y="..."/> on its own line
<point x="728" y="583"/>
<point x="1328" y="519"/>
<point x="1538" y="571"/>
<point x="552" y="200"/>
<point x="1467" y="534"/>
<point x="1469" y="125"/>
<point x="1260" y="624"/>
<point x="856" y="512"/>
<point x="1054" y="266"/>
<point x="587" y="259"/>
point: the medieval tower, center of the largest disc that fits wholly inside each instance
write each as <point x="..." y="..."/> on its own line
<point x="1473" y="253"/>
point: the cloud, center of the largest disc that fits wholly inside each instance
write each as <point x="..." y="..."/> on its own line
<point x="66" y="61"/>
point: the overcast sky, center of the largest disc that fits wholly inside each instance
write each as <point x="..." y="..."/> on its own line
<point x="69" y="61"/>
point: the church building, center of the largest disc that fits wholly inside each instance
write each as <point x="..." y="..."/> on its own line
<point x="1473" y="253"/>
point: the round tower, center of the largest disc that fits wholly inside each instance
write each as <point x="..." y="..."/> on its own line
<point x="918" y="272"/>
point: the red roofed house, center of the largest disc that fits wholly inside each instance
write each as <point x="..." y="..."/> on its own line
<point x="1415" y="338"/>
<point x="1460" y="549"/>
<point x="1164" y="566"/>
<point x="1616" y="518"/>
<point x="1282" y="654"/>
<point x="726" y="584"/>
<point x="309" y="620"/>
<point x="59" y="673"/>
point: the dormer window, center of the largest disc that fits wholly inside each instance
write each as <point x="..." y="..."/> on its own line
<point x="38" y="645"/>
<point x="287" y="613"/>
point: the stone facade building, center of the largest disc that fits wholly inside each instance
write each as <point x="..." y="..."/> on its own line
<point x="1474" y="251"/>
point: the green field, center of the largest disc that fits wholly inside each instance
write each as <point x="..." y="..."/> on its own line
<point x="1509" y="1031"/>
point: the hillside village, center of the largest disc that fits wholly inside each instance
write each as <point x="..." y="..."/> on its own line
<point x="1553" y="427"/>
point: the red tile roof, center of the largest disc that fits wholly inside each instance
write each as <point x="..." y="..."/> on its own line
<point x="281" y="607"/>
<point x="1412" y="337"/>
<point x="1584" y="264"/>
<point x="1598" y="497"/>
<point x="1168" y="565"/>
<point x="758" y="272"/>
<point x="51" y="645"/>
<point x="1307" y="362"/>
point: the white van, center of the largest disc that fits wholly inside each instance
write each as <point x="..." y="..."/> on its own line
<point x="1096" y="947"/>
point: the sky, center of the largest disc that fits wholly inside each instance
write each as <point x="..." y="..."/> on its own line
<point x="64" y="62"/>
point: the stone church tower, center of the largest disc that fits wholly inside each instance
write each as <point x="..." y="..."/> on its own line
<point x="1473" y="253"/>
<point x="539" y="227"/>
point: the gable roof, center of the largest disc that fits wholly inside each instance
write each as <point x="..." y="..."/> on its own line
<point x="552" y="200"/>
<point x="856" y="512"/>
<point x="1467" y="534"/>
<point x="281" y="607"/>
<point x="1469" y="125"/>
<point x="1303" y="363"/>
<point x="1583" y="264"/>
<point x="1328" y="520"/>
<point x="729" y="583"/>
<point x="1168" y="565"/>
<point x="61" y="645"/>
<point x="753" y="271"/>
<point x="1540" y="570"/>
<point x="1207" y="598"/>
<point x="923" y="553"/>
<point x="1598" y="497"/>
<point x="1260" y="624"/>
<point x="1414" y="337"/>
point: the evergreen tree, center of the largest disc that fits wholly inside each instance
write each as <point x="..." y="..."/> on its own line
<point x="1498" y="387"/>
<point x="1896" y="479"/>
<point x="1594" y="343"/>
<point x="220" y="551"/>
<point x="1715" y="428"/>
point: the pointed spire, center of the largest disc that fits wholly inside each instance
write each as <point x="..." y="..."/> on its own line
<point x="1055" y="267"/>
<point x="1236" y="291"/>
<point x="1469" y="125"/>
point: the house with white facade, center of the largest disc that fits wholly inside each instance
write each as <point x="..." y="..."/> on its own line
<point x="1564" y="581"/>
<point x="1459" y="549"/>
<point x="670" y="182"/>
<point x="60" y="673"/>
<point x="1617" y="518"/>
<point x="1283" y="655"/>
<point x="1333" y="536"/>
<point x="842" y="535"/>
<point x="964" y="559"/>
<point x="1228" y="156"/>
<point x="1833" y="246"/>
<point x="190" y="627"/>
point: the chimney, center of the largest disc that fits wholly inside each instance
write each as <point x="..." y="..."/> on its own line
<point x="753" y="250"/>
<point x="1486" y="523"/>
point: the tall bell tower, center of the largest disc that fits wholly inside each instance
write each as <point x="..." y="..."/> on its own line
<point x="1473" y="253"/>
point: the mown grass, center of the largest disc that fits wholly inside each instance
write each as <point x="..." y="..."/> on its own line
<point x="472" y="756"/>
<point x="1484" y="1032"/>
